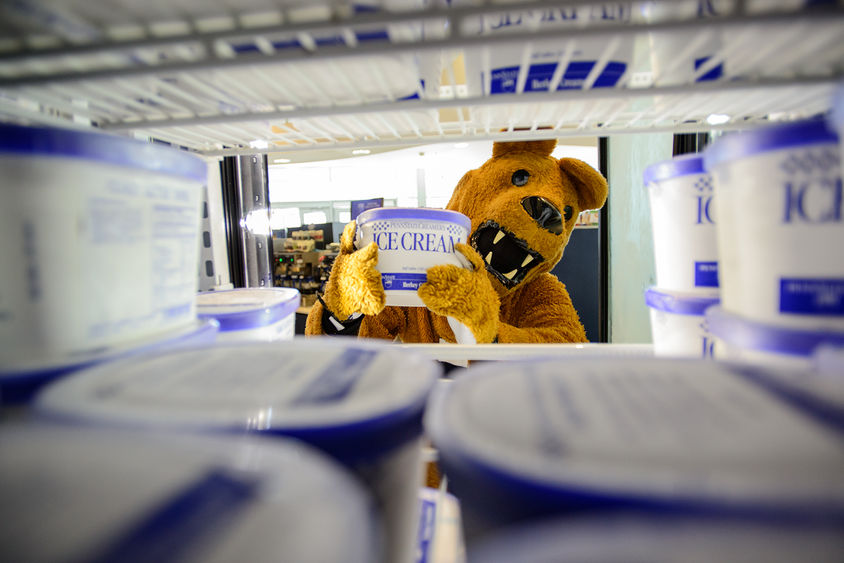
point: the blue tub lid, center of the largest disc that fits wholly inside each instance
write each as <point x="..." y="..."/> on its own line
<point x="679" y="303"/>
<point x="172" y="497"/>
<point x="682" y="165"/>
<point x="102" y="147"/>
<point x="421" y="213"/>
<point x="21" y="381"/>
<point x="733" y="146"/>
<point x="626" y="539"/>
<point x="616" y="432"/>
<point x="837" y="114"/>
<point x="246" y="308"/>
<point x="745" y="333"/>
<point x="351" y="399"/>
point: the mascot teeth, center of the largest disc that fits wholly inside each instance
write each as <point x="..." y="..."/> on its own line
<point x="508" y="257"/>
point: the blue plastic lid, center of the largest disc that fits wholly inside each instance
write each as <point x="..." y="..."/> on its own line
<point x="247" y="308"/>
<point x="102" y="495"/>
<point x="682" y="165"/>
<point x="102" y="147"/>
<point x="354" y="400"/>
<point x="734" y="146"/>
<point x="530" y="439"/>
<point x="837" y="114"/>
<point x="20" y="382"/>
<point x="746" y="333"/>
<point x="678" y="303"/>
<point x="421" y="213"/>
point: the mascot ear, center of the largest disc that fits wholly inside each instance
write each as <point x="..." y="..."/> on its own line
<point x="540" y="148"/>
<point x="590" y="186"/>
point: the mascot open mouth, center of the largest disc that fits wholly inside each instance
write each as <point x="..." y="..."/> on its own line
<point x="507" y="256"/>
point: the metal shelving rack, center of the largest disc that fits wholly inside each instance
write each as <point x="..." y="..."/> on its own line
<point x="245" y="77"/>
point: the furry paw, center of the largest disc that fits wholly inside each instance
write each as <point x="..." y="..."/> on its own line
<point x="464" y="294"/>
<point x="354" y="285"/>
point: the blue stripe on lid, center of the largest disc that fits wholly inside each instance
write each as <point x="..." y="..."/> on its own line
<point x="745" y="333"/>
<point x="683" y="165"/>
<point x="101" y="147"/>
<point x="250" y="317"/>
<point x="678" y="303"/>
<point x="783" y="136"/>
<point x="422" y="214"/>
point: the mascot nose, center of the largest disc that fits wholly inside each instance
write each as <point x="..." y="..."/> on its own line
<point x="544" y="213"/>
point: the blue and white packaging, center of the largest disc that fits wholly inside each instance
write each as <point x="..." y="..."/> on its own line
<point x="20" y="382"/>
<point x="746" y="341"/>
<point x="678" y="325"/>
<point x="661" y="540"/>
<point x="108" y="495"/>
<point x="662" y="437"/>
<point x="836" y="116"/>
<point x="778" y="200"/>
<point x="251" y="314"/>
<point x="683" y="223"/>
<point x="411" y="240"/>
<point x="99" y="237"/>
<point x="362" y="403"/>
<point x="440" y="535"/>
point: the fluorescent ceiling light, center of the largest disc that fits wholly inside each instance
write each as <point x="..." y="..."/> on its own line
<point x="281" y="160"/>
<point x="361" y="151"/>
<point x="717" y="119"/>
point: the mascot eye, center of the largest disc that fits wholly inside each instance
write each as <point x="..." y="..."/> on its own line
<point x="520" y="177"/>
<point x="568" y="212"/>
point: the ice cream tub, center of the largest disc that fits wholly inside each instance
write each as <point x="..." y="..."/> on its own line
<point x="260" y="314"/>
<point x="836" y="116"/>
<point x="109" y="495"/>
<point x="362" y="403"/>
<point x="747" y="341"/>
<point x="683" y="223"/>
<point x="409" y="242"/>
<point x="661" y="540"/>
<point x="99" y="235"/>
<point x="440" y="535"/>
<point x="600" y="436"/>
<point x="778" y="200"/>
<point x="678" y="325"/>
<point x="21" y="381"/>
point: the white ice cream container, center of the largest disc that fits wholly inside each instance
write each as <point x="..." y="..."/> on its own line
<point x="614" y="435"/>
<point x="440" y="536"/>
<point x="21" y="381"/>
<point x="779" y="206"/>
<point x="743" y="340"/>
<point x="661" y="540"/>
<point x="259" y="314"/>
<point x="99" y="237"/>
<point x="410" y="241"/>
<point x="683" y="223"/>
<point x="360" y="402"/>
<point x="104" y="495"/>
<point x="678" y="325"/>
<point x="836" y="116"/>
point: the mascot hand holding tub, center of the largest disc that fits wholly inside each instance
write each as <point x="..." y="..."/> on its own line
<point x="523" y="204"/>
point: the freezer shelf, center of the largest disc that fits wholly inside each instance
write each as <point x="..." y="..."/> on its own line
<point x="251" y="77"/>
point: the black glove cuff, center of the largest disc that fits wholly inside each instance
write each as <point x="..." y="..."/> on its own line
<point x="331" y="325"/>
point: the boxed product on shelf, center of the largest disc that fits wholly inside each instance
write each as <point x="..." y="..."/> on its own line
<point x="87" y="494"/>
<point x="678" y="324"/>
<point x="251" y="314"/>
<point x="360" y="402"/>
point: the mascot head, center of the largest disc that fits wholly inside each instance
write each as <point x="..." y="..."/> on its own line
<point x="523" y="204"/>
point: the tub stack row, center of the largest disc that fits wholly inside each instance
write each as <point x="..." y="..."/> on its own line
<point x="761" y="212"/>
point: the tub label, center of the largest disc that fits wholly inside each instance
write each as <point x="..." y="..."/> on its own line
<point x="402" y="282"/>
<point x="337" y="379"/>
<point x="539" y="77"/>
<point x="414" y="241"/>
<point x="812" y="296"/>
<point x="706" y="274"/>
<point x="425" y="536"/>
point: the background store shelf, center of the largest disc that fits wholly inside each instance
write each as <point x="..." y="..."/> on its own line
<point x="225" y="78"/>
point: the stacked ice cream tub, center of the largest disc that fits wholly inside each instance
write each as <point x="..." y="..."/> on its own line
<point x="683" y="220"/>
<point x="778" y="199"/>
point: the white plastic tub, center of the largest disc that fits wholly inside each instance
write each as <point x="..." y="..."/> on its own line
<point x="20" y="382"/>
<point x="679" y="437"/>
<point x="779" y="206"/>
<point x="837" y="116"/>
<point x="742" y="340"/>
<point x="683" y="224"/>
<point x="661" y="540"/>
<point x="409" y="242"/>
<point x="99" y="240"/>
<point x="251" y="314"/>
<point x="678" y="325"/>
<point x="360" y="402"/>
<point x="440" y="536"/>
<point x="99" y="495"/>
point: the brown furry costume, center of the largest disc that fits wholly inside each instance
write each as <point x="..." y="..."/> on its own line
<point x="523" y="204"/>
